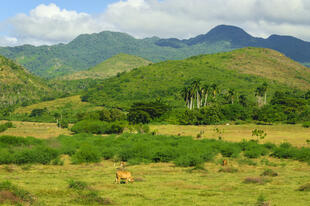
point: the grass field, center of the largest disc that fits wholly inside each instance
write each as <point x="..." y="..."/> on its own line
<point x="35" y="129"/>
<point x="164" y="184"/>
<point x="294" y="134"/>
<point x="74" y="102"/>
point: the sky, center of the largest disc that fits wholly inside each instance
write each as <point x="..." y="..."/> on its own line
<point x="45" y="22"/>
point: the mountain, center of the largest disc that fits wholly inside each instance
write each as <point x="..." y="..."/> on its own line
<point x="88" y="50"/>
<point x="290" y="46"/>
<point x="243" y="70"/>
<point x="19" y="86"/>
<point x="110" y="67"/>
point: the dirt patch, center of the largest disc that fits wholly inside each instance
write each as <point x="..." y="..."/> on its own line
<point x="8" y="197"/>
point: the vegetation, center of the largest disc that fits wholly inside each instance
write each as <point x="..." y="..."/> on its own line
<point x="19" y="87"/>
<point x="6" y="126"/>
<point x="111" y="67"/>
<point x="89" y="50"/>
<point x="223" y="71"/>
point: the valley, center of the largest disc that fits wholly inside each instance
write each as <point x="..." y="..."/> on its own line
<point x="222" y="118"/>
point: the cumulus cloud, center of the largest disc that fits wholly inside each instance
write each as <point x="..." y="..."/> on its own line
<point x="48" y="24"/>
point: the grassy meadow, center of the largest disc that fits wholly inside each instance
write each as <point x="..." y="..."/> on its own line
<point x="164" y="183"/>
<point x="279" y="133"/>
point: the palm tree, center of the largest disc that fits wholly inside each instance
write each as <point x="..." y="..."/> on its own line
<point x="197" y="92"/>
<point x="231" y="95"/>
<point x="205" y="93"/>
<point x="214" y="90"/>
<point x="264" y="90"/>
<point x="186" y="96"/>
<point x="261" y="92"/>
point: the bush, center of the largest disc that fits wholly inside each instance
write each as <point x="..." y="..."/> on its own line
<point x="305" y="187"/>
<point x="189" y="160"/>
<point x="228" y="170"/>
<point x="98" y="127"/>
<point x="306" y="124"/>
<point x="269" y="172"/>
<point x="40" y="154"/>
<point x="6" y="126"/>
<point x="86" y="154"/>
<point x="77" y="185"/>
<point x="256" y="180"/>
<point x="15" y="195"/>
<point x="228" y="150"/>
<point x="136" y="117"/>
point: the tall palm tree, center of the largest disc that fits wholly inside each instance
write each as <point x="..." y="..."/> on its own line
<point x="186" y="96"/>
<point x="264" y="90"/>
<point x="197" y="92"/>
<point x="214" y="90"/>
<point x="231" y="95"/>
<point x="205" y="93"/>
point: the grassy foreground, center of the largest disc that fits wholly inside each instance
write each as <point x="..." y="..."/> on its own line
<point x="165" y="184"/>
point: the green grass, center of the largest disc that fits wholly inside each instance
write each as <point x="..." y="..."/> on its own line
<point x="164" y="184"/>
<point x="110" y="67"/>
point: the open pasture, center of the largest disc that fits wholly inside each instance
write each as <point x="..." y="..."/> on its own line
<point x="279" y="133"/>
<point x="165" y="184"/>
<point x="35" y="129"/>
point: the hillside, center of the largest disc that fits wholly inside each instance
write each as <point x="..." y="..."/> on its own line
<point x="242" y="70"/>
<point x="86" y="51"/>
<point x="110" y="67"/>
<point x="74" y="103"/>
<point x="18" y="86"/>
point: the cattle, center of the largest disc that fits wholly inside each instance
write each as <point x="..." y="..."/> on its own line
<point x="123" y="175"/>
<point x="224" y="163"/>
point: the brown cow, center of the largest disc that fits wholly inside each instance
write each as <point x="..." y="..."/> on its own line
<point x="224" y="163"/>
<point x="123" y="175"/>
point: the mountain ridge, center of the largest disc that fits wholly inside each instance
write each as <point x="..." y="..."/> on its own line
<point x="88" y="50"/>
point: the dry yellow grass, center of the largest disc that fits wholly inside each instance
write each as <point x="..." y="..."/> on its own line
<point x="294" y="134"/>
<point x="34" y="129"/>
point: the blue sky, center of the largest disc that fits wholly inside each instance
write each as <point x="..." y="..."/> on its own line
<point x="24" y="6"/>
<point x="43" y="22"/>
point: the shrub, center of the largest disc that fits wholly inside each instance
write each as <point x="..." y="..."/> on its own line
<point x="228" y="170"/>
<point x="98" y="127"/>
<point x="256" y="180"/>
<point x="261" y="201"/>
<point x="136" y="117"/>
<point x="247" y="162"/>
<point x="39" y="154"/>
<point x="86" y="154"/>
<point x="269" y="172"/>
<point x="189" y="160"/>
<point x="228" y="150"/>
<point x="77" y="185"/>
<point x="6" y="126"/>
<point x="13" y="194"/>
<point x="305" y="187"/>
<point x="306" y="124"/>
<point x="91" y="198"/>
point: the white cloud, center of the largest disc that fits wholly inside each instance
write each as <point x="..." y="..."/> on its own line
<point x="48" y="24"/>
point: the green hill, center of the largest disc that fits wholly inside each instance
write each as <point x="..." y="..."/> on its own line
<point x="110" y="67"/>
<point x="243" y="70"/>
<point x="18" y="86"/>
<point x="88" y="50"/>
